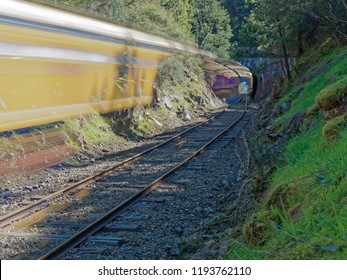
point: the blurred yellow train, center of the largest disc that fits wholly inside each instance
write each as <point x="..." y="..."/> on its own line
<point x="55" y="65"/>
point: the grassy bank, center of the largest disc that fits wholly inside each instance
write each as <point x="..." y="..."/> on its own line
<point x="301" y="173"/>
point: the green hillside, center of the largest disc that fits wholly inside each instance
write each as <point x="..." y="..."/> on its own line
<point x="301" y="167"/>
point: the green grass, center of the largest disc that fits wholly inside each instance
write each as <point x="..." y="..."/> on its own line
<point x="335" y="66"/>
<point x="303" y="212"/>
<point x="146" y="126"/>
<point x="303" y="218"/>
<point x="306" y="155"/>
<point x="86" y="131"/>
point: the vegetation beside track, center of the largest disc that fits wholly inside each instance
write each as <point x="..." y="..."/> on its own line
<point x="300" y="160"/>
<point x="181" y="95"/>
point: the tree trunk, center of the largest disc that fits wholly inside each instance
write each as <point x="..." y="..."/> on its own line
<point x="286" y="58"/>
<point x="300" y="50"/>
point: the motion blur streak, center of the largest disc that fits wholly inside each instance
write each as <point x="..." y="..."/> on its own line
<point x="16" y="51"/>
<point x="55" y="65"/>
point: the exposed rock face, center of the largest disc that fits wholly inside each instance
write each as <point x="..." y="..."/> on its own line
<point x="181" y="94"/>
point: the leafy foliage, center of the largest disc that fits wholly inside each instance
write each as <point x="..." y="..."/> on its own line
<point x="111" y="9"/>
<point x="298" y="22"/>
<point x="239" y="11"/>
<point x="211" y="27"/>
<point x="182" y="11"/>
<point x="151" y="16"/>
<point x="148" y="16"/>
<point x="205" y="22"/>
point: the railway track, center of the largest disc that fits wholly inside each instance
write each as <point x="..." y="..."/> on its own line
<point x="124" y="185"/>
<point x="9" y="218"/>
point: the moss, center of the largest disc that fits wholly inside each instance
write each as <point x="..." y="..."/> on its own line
<point x="312" y="111"/>
<point x="301" y="251"/>
<point x="317" y="247"/>
<point x="311" y="116"/>
<point x="332" y="129"/>
<point x="333" y="95"/>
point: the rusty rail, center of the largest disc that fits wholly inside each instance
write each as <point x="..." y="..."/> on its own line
<point x="89" y="230"/>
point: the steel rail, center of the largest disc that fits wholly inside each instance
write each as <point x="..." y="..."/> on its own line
<point x="26" y="210"/>
<point x="101" y="222"/>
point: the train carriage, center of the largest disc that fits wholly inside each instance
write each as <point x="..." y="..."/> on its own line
<point x="55" y="65"/>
